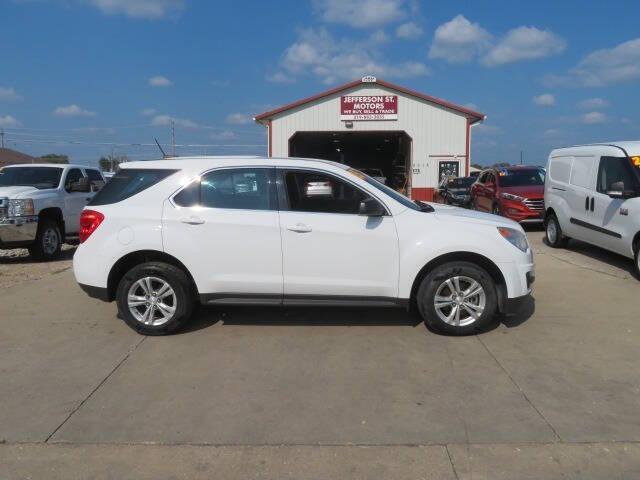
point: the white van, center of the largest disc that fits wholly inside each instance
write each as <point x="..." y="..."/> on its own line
<point x="592" y="193"/>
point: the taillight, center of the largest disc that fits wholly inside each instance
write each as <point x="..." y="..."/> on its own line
<point x="89" y="221"/>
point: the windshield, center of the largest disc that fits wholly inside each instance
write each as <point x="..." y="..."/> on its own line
<point x="38" y="177"/>
<point x="461" y="182"/>
<point x="521" y="178"/>
<point x="398" y="197"/>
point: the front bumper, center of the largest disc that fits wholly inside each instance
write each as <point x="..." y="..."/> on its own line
<point x="519" y="212"/>
<point x="96" y="292"/>
<point x="18" y="230"/>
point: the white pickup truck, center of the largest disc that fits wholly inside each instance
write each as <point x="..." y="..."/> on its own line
<point x="40" y="205"/>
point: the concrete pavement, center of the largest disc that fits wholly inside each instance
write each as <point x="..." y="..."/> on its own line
<point x="313" y="393"/>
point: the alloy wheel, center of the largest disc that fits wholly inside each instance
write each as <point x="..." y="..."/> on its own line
<point x="460" y="301"/>
<point x="552" y="232"/>
<point x="50" y="241"/>
<point x="152" y="301"/>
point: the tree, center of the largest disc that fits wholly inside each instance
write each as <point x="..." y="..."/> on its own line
<point x="55" y="158"/>
<point x="109" y="163"/>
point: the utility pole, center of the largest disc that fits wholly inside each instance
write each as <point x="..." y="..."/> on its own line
<point x="173" y="137"/>
<point x="520" y="157"/>
<point x="2" y="136"/>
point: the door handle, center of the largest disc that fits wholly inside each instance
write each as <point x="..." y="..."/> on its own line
<point x="299" y="228"/>
<point x="592" y="204"/>
<point x="193" y="220"/>
<point x="586" y="204"/>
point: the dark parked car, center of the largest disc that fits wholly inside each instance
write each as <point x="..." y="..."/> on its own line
<point x="457" y="191"/>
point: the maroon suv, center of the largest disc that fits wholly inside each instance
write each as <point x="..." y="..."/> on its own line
<point x="513" y="192"/>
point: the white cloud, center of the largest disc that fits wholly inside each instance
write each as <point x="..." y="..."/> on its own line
<point x="485" y="129"/>
<point x="360" y="13"/>
<point x="165" y="120"/>
<point x="552" y="132"/>
<point x="280" y="77"/>
<point x="147" y="112"/>
<point x="160" y="81"/>
<point x="8" y="121"/>
<point x="608" y="66"/>
<point x="238" y="119"/>
<point x="73" y="110"/>
<point x="592" y="118"/>
<point x="317" y="53"/>
<point x="9" y="94"/>
<point x="459" y="41"/>
<point x="544" y="100"/>
<point x="409" y="31"/>
<point x="224" y="135"/>
<point x="147" y="9"/>
<point x="593" y="103"/>
<point x="524" y="43"/>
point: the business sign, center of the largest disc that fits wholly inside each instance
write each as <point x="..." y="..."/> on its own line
<point x="368" y="107"/>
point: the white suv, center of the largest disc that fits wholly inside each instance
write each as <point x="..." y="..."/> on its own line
<point x="162" y="236"/>
<point x="592" y="193"/>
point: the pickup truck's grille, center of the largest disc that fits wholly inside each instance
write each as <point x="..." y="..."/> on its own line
<point x="537" y="205"/>
<point x="4" y="207"/>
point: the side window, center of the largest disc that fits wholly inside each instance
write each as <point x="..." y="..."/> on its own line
<point x="94" y="176"/>
<point x="613" y="170"/>
<point x="483" y="177"/>
<point x="321" y="193"/>
<point x="490" y="179"/>
<point x="238" y="188"/>
<point x="73" y="175"/>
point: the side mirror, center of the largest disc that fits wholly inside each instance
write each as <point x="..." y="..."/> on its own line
<point x="370" y="207"/>
<point x="616" y="190"/>
<point x="81" y="185"/>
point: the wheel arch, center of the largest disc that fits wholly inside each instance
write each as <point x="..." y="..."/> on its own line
<point x="130" y="260"/>
<point x="471" y="257"/>
<point x="54" y="213"/>
<point x="635" y="244"/>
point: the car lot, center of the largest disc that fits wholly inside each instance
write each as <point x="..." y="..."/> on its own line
<point x="326" y="393"/>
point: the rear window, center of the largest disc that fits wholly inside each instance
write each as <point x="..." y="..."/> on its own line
<point x="127" y="183"/>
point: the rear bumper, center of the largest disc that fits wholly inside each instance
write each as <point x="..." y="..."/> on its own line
<point x="18" y="230"/>
<point x="96" y="292"/>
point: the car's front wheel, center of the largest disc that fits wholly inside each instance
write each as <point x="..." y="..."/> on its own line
<point x="155" y="298"/>
<point x="637" y="260"/>
<point x="48" y="242"/>
<point x="457" y="298"/>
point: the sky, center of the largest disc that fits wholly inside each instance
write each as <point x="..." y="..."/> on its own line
<point x="88" y="78"/>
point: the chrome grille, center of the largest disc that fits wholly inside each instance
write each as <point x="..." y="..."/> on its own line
<point x="4" y="207"/>
<point x="537" y="205"/>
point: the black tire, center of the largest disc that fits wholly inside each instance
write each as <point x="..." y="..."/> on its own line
<point x="553" y="232"/>
<point x="183" y="302"/>
<point x="637" y="260"/>
<point x="48" y="242"/>
<point x="432" y="283"/>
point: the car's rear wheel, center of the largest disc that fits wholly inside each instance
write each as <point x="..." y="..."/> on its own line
<point x="553" y="232"/>
<point x="457" y="298"/>
<point x="155" y="298"/>
<point x="637" y="259"/>
<point x="48" y="242"/>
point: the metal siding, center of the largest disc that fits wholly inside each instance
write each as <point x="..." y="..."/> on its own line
<point x="435" y="130"/>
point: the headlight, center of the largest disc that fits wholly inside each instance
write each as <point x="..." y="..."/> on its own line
<point x="515" y="238"/>
<point x="510" y="196"/>
<point x="22" y="207"/>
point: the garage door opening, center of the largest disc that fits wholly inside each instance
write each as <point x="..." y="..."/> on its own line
<point x="384" y="155"/>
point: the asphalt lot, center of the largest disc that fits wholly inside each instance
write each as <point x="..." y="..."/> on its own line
<point x="326" y="393"/>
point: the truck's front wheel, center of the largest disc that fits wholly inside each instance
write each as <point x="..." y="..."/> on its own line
<point x="48" y="243"/>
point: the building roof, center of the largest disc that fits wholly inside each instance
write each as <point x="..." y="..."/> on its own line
<point x="11" y="157"/>
<point x="475" y="116"/>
